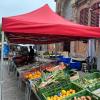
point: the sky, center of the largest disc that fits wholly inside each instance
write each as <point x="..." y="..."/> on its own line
<point x="16" y="7"/>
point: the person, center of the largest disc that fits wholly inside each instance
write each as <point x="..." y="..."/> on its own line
<point x="6" y="50"/>
<point x="31" y="54"/>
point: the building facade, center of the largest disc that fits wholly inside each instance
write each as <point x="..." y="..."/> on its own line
<point x="78" y="11"/>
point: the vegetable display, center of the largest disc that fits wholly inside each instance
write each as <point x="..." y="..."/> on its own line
<point x="53" y="83"/>
<point x="62" y="94"/>
<point x="83" y="82"/>
<point x="55" y="76"/>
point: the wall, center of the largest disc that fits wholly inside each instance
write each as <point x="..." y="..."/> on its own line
<point x="70" y="10"/>
<point x="67" y="10"/>
<point x="78" y="9"/>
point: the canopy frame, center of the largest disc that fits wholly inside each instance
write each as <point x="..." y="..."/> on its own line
<point x="2" y="65"/>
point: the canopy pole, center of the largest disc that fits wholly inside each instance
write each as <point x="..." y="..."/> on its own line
<point x="2" y="65"/>
<point x="91" y="43"/>
<point x="98" y="56"/>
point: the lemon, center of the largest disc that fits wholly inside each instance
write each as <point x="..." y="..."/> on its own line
<point x="55" y="97"/>
<point x="52" y="97"/>
<point x="68" y="93"/>
<point x="48" y="98"/>
<point x="63" y="92"/>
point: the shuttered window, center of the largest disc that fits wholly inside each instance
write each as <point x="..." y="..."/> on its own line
<point x="94" y="15"/>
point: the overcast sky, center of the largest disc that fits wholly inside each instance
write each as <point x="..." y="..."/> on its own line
<point x="15" y="7"/>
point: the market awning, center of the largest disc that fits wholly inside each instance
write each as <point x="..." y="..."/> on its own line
<point x="44" y="26"/>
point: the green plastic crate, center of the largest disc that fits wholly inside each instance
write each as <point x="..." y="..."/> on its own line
<point x="55" y="90"/>
<point x="58" y="75"/>
<point x="82" y="93"/>
<point x="51" y="87"/>
<point x="88" y="80"/>
<point x="81" y="83"/>
<point x="94" y="88"/>
<point x="95" y="75"/>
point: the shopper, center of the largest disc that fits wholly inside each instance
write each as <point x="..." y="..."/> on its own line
<point x="31" y="55"/>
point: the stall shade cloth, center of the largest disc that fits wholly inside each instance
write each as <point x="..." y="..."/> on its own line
<point x="44" y="26"/>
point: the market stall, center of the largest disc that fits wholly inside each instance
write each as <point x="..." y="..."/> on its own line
<point x="43" y="26"/>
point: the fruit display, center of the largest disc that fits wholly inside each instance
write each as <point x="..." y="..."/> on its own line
<point x="46" y="66"/>
<point x="53" y="83"/>
<point x="59" y="90"/>
<point x="62" y="94"/>
<point x="30" y="75"/>
<point x="83" y="98"/>
<point x="83" y="95"/>
<point x="32" y="71"/>
<point x="61" y="66"/>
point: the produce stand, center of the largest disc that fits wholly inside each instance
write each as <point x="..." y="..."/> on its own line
<point x="44" y="93"/>
<point x="72" y="81"/>
<point x="54" y="30"/>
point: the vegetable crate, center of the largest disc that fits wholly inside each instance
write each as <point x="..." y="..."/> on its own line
<point x="92" y="76"/>
<point x="96" y="89"/>
<point x="55" y="89"/>
<point x="83" y="93"/>
<point x="88" y="80"/>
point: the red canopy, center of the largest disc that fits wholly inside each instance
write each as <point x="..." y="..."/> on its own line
<point x="44" y="26"/>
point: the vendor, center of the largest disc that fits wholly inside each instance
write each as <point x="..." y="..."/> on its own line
<point x="31" y="54"/>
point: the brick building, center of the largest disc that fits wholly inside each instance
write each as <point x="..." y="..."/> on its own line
<point x="78" y="11"/>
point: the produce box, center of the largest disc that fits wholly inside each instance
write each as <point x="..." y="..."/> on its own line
<point x="55" y="90"/>
<point x="25" y="68"/>
<point x="96" y="89"/>
<point x="93" y="77"/>
<point x="82" y="94"/>
<point x="56" y="76"/>
<point x="88" y="80"/>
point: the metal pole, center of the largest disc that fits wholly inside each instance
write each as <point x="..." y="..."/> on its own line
<point x="91" y="42"/>
<point x="1" y="68"/>
<point x="98" y="56"/>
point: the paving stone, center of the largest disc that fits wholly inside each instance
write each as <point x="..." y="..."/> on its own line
<point x="10" y="87"/>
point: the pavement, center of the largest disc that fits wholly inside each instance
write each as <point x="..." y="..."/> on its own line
<point x="10" y="90"/>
